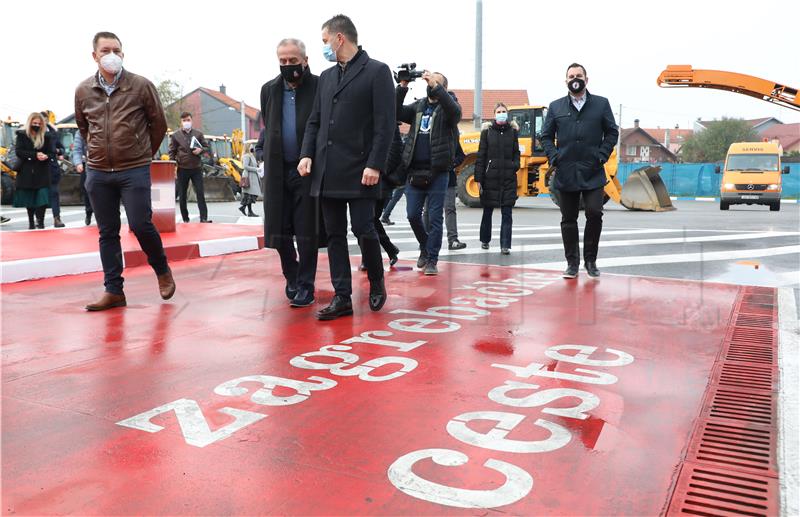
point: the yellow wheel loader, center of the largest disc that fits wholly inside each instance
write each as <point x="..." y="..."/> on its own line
<point x="644" y="189"/>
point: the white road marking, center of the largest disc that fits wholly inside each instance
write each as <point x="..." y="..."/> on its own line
<point x="529" y="248"/>
<point x="675" y="258"/>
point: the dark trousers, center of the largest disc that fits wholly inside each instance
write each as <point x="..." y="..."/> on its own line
<point x="430" y="242"/>
<point x="397" y="193"/>
<point x="299" y="221"/>
<point x="386" y="242"/>
<point x="505" y="226"/>
<point x="196" y="177"/>
<point x="362" y="219"/>
<point x="132" y="188"/>
<point x="593" y="207"/>
<point x="55" y="199"/>
<point x="87" y="204"/>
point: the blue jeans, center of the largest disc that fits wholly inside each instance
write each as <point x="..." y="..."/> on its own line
<point x="132" y="188"/>
<point x="430" y="242"/>
<point x="505" y="226"/>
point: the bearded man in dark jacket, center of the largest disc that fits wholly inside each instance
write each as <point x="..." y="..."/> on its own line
<point x="584" y="127"/>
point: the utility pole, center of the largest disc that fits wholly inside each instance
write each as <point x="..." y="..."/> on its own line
<point x="244" y="126"/>
<point x="619" y="137"/>
<point x="478" y="104"/>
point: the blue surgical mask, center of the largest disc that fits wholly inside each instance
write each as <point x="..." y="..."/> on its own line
<point x="501" y="118"/>
<point x="329" y="53"/>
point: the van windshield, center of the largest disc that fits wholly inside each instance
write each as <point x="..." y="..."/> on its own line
<point x="752" y="162"/>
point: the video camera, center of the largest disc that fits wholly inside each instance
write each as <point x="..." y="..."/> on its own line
<point x="407" y="72"/>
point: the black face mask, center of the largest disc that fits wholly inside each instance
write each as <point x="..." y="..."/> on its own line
<point x="292" y="73"/>
<point x="35" y="129"/>
<point x="576" y="86"/>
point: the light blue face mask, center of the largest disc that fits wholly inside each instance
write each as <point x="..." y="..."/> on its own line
<point x="501" y="118"/>
<point x="329" y="53"/>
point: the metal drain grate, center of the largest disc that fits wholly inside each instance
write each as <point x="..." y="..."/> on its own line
<point x="747" y="376"/>
<point x="713" y="492"/>
<point x="756" y="408"/>
<point x="754" y="320"/>
<point x="731" y="463"/>
<point x="736" y="446"/>
<point x="750" y="354"/>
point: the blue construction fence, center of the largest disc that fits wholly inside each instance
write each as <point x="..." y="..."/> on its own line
<point x="699" y="179"/>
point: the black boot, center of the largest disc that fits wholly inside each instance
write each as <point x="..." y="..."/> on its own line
<point x="40" y="217"/>
<point x="31" y="225"/>
<point x="250" y="212"/>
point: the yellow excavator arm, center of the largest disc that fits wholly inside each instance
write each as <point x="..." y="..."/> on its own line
<point x="770" y="91"/>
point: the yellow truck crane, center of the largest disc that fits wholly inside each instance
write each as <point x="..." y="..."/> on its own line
<point x="643" y="190"/>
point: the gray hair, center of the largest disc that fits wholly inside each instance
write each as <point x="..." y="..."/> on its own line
<point x="293" y="41"/>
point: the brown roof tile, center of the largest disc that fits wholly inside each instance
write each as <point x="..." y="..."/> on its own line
<point x="488" y="99"/>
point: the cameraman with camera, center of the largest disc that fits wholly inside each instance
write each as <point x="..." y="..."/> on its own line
<point x="428" y="155"/>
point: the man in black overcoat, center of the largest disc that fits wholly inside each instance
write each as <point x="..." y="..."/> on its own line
<point x="289" y="210"/>
<point x="345" y="150"/>
<point x="578" y="136"/>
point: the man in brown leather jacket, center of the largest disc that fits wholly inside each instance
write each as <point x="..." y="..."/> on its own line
<point x="121" y="119"/>
<point x="185" y="147"/>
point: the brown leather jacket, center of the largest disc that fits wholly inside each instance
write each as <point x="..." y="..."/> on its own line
<point x="123" y="130"/>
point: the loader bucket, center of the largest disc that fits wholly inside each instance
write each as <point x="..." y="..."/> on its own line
<point x="216" y="188"/>
<point x="644" y="190"/>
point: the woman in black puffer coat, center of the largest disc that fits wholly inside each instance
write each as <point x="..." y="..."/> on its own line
<point x="496" y="171"/>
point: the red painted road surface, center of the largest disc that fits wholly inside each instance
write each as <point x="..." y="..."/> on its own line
<point x="527" y="395"/>
<point x="52" y="243"/>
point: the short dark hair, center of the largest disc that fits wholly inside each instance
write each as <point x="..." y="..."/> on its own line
<point x="186" y="114"/>
<point x="104" y="34"/>
<point x="444" y="77"/>
<point x="343" y="24"/>
<point x="578" y="65"/>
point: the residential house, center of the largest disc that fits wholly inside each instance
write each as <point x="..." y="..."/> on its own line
<point x="671" y="138"/>
<point x="758" y="124"/>
<point x="215" y="113"/>
<point x="787" y="134"/>
<point x="639" y="146"/>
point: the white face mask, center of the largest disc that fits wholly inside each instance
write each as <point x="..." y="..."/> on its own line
<point x="187" y="125"/>
<point x="111" y="63"/>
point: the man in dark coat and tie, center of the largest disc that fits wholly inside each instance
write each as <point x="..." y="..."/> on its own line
<point x="289" y="210"/>
<point x="345" y="150"/>
<point x="578" y="136"/>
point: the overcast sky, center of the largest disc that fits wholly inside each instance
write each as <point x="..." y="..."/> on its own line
<point x="526" y="45"/>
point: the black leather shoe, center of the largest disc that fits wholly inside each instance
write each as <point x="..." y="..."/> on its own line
<point x="457" y="245"/>
<point x="422" y="260"/>
<point x="291" y="291"/>
<point x="206" y="221"/>
<point x="484" y="245"/>
<point x="377" y="295"/>
<point x="303" y="298"/>
<point x="571" y="271"/>
<point x="362" y="267"/>
<point x="393" y="257"/>
<point x="386" y="221"/>
<point x="591" y="268"/>
<point x="340" y="306"/>
<point x="88" y="219"/>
